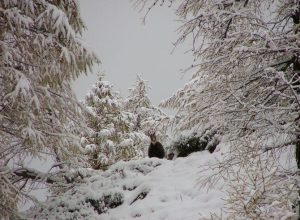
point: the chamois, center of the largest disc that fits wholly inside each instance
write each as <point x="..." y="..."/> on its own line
<point x="155" y="149"/>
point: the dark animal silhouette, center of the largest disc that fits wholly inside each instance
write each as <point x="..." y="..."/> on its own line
<point x="155" y="149"/>
<point x="170" y="156"/>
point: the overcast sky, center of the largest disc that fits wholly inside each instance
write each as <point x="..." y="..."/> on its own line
<point x="127" y="47"/>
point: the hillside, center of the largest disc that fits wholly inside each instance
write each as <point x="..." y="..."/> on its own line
<point x="160" y="189"/>
<point x="140" y="189"/>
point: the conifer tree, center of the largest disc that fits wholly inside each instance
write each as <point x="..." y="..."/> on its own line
<point x="111" y="137"/>
<point x="146" y="116"/>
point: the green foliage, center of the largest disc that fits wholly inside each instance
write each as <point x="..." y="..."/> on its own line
<point x="81" y="208"/>
<point x="146" y="115"/>
<point x="111" y="136"/>
<point x="185" y="145"/>
<point x="107" y="201"/>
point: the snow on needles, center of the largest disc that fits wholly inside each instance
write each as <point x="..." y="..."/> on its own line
<point x="139" y="189"/>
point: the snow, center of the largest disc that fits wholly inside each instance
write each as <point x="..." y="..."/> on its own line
<point x="148" y="188"/>
<point x="173" y="193"/>
<point x="160" y="189"/>
<point x="126" y="142"/>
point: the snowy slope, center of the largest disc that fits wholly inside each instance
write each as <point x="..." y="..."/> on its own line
<point x="173" y="193"/>
<point x="141" y="189"/>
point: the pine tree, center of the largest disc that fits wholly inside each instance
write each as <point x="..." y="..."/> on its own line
<point x="146" y="116"/>
<point x="41" y="53"/>
<point x="111" y="137"/>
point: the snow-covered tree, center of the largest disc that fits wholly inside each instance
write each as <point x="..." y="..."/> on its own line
<point x="111" y="136"/>
<point x="246" y="62"/>
<point x="146" y="116"/>
<point x="246" y="84"/>
<point x="138" y="101"/>
<point x="41" y="52"/>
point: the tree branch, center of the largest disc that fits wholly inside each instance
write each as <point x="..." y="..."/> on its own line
<point x="227" y="28"/>
<point x="26" y="173"/>
<point x="279" y="146"/>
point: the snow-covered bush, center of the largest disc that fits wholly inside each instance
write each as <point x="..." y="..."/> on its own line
<point x="261" y="183"/>
<point x="9" y="198"/>
<point x="187" y="144"/>
<point x="97" y="193"/>
<point x="78" y="206"/>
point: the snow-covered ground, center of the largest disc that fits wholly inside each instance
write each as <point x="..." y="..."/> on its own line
<point x="160" y="189"/>
<point x="145" y="189"/>
<point x="173" y="192"/>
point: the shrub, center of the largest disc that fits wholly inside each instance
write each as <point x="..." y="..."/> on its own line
<point x="187" y="144"/>
<point x="107" y="201"/>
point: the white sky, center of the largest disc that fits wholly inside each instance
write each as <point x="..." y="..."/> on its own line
<point x="126" y="47"/>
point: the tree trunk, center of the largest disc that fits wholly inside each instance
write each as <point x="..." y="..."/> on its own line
<point x="296" y="84"/>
